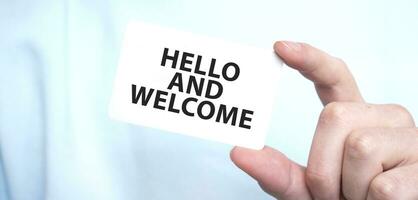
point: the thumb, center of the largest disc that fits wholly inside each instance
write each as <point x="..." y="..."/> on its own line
<point x="275" y="173"/>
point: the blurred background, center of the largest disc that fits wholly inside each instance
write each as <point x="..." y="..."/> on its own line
<point x="57" y="64"/>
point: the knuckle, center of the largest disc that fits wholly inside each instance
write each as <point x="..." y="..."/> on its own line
<point x="340" y="62"/>
<point x="332" y="112"/>
<point x="399" y="108"/>
<point x="403" y="115"/>
<point x="384" y="187"/>
<point x="359" y="144"/>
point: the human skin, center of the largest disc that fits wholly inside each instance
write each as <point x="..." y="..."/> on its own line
<point x="359" y="150"/>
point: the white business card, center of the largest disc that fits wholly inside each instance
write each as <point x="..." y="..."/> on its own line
<point x="195" y="85"/>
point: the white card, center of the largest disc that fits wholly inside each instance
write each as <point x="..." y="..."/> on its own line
<point x="195" y="85"/>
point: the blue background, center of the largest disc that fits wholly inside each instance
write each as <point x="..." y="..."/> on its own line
<point x="57" y="64"/>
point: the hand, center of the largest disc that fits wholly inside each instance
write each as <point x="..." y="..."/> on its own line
<point x="359" y="151"/>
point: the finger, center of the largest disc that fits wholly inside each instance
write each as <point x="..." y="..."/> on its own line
<point x="275" y="173"/>
<point x="369" y="152"/>
<point x="337" y="120"/>
<point x="333" y="81"/>
<point x="398" y="183"/>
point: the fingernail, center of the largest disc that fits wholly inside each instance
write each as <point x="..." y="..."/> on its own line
<point x="293" y="46"/>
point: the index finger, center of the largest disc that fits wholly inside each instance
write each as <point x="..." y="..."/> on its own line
<point x="333" y="81"/>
